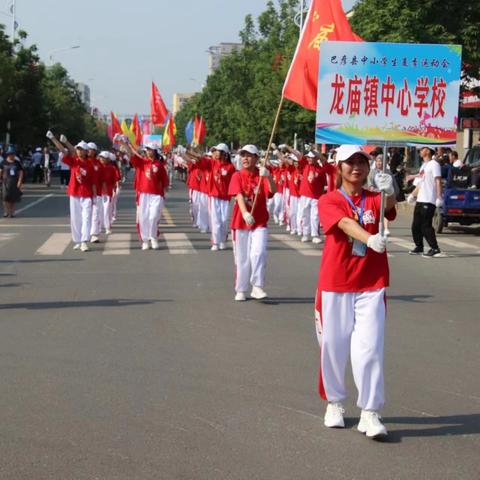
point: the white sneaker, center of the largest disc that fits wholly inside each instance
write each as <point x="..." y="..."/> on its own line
<point x="76" y="246"/>
<point x="316" y="240"/>
<point x="305" y="238"/>
<point x="293" y="232"/>
<point x="84" y="247"/>
<point x="371" y="424"/>
<point x="334" y="415"/>
<point x="386" y="232"/>
<point x="275" y="219"/>
<point x="94" y="239"/>
<point x="222" y="246"/>
<point x="145" y="246"/>
<point x="288" y="228"/>
<point x="240" y="297"/>
<point x="214" y="247"/>
<point x="154" y="242"/>
<point x="280" y="222"/>
<point x="108" y="232"/>
<point x="203" y="230"/>
<point x="258" y="293"/>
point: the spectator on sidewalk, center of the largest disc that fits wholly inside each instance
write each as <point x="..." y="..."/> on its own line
<point x="11" y="173"/>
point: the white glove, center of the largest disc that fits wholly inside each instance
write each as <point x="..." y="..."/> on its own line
<point x="411" y="199"/>
<point x="248" y="217"/>
<point x="439" y="202"/>
<point x="263" y="172"/>
<point x="63" y="138"/>
<point x="50" y="135"/>
<point x="384" y="183"/>
<point x="377" y="242"/>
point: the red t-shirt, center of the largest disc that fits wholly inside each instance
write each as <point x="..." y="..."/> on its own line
<point x="152" y="176"/>
<point x="82" y="177"/>
<point x="246" y="183"/>
<point x="194" y="176"/>
<point x="279" y="177"/>
<point x="294" y="178"/>
<point x="98" y="173"/>
<point x="204" y="164"/>
<point x="330" y="170"/>
<point x="222" y="173"/>
<point x="340" y="271"/>
<point x="313" y="181"/>
<point x="110" y="177"/>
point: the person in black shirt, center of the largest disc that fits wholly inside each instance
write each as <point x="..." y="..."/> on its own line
<point x="11" y="174"/>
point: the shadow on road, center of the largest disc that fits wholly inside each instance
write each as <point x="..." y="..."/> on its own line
<point x="409" y="298"/>
<point x="44" y="260"/>
<point x="288" y="300"/>
<point x="114" y="302"/>
<point x="434" y="426"/>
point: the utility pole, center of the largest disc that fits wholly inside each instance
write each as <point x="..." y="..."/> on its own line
<point x="13" y="11"/>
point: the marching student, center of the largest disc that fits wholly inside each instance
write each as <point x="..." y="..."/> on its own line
<point x="311" y="188"/>
<point x="193" y="183"/>
<point x="97" y="209"/>
<point x="279" y="177"/>
<point x="111" y="177"/>
<point x="350" y="299"/>
<point x="294" y="178"/>
<point x="221" y="171"/>
<point x="81" y="189"/>
<point x="203" y="217"/>
<point x="152" y="181"/>
<point x="251" y="186"/>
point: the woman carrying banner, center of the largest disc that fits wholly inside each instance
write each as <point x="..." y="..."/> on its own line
<point x="251" y="186"/>
<point x="350" y="300"/>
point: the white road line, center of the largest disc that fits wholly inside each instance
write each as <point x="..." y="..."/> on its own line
<point x="6" y="237"/>
<point x="401" y="242"/>
<point x="302" y="248"/>
<point x="36" y="202"/>
<point x="178" y="244"/>
<point x="455" y="243"/>
<point x="118" y="244"/>
<point x="55" y="245"/>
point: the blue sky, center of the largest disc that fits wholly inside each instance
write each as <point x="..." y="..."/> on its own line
<point x="124" y="45"/>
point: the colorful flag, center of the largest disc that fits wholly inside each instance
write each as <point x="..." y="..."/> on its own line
<point x="136" y="130"/>
<point x="158" y="109"/>
<point x="115" y="128"/>
<point x="127" y="132"/>
<point x="169" y="134"/>
<point x="326" y="20"/>
<point x="189" y="132"/>
<point x="196" y="124"/>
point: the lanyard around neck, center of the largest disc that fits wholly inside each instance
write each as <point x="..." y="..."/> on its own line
<point x="358" y="211"/>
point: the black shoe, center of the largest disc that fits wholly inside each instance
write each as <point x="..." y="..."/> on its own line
<point x="416" y="251"/>
<point x="433" y="252"/>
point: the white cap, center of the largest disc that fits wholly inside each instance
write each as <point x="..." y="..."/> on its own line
<point x="250" y="149"/>
<point x="151" y="146"/>
<point x="222" y="147"/>
<point x="344" y="152"/>
<point x="312" y="154"/>
<point x="82" y="144"/>
<point x="104" y="154"/>
<point x="112" y="156"/>
<point x="92" y="146"/>
<point x="293" y="157"/>
<point x="38" y="149"/>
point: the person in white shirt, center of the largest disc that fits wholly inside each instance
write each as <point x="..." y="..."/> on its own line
<point x="428" y="195"/>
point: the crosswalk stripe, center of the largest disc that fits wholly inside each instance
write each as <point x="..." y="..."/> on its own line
<point x="168" y="217"/>
<point x="455" y="243"/>
<point x="178" y="244"/>
<point x="6" y="237"/>
<point x="401" y="242"/>
<point x="55" y="245"/>
<point x="118" y="244"/>
<point x="296" y="245"/>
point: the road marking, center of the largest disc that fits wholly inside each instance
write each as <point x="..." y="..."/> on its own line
<point x="178" y="244"/>
<point x="401" y="242"/>
<point x="168" y="217"/>
<point x="302" y="248"/>
<point x="22" y="225"/>
<point x="36" y="202"/>
<point x="455" y="243"/>
<point x="6" y="237"/>
<point x="118" y="244"/>
<point x="55" y="245"/>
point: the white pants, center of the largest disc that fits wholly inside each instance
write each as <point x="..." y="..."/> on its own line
<point x="80" y="218"/>
<point x="286" y="206"/>
<point x="97" y="216"/>
<point x="116" y="193"/>
<point x="351" y="324"/>
<point x="203" y="219"/>
<point x="293" y="213"/>
<point x="278" y="207"/>
<point x="308" y="213"/>
<point x="250" y="255"/>
<point x="107" y="211"/>
<point x="150" y="208"/>
<point x="194" y="205"/>
<point x="219" y="219"/>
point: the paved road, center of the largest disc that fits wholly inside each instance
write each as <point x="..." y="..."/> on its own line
<point x="123" y="364"/>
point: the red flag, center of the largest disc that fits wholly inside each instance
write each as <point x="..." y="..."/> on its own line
<point x="137" y="131"/>
<point x="158" y="109"/>
<point x="202" y="131"/>
<point x="115" y="125"/>
<point x="326" y="20"/>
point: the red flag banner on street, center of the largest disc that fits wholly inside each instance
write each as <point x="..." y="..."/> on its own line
<point x="326" y="20"/>
<point x="158" y="109"/>
<point x="169" y="134"/>
<point x="137" y="131"/>
<point x="199" y="130"/>
<point x="116" y="128"/>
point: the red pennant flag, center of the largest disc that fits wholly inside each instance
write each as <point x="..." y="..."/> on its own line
<point x="202" y="131"/>
<point x="137" y="131"/>
<point x="158" y="109"/>
<point x="115" y="125"/>
<point x="326" y="20"/>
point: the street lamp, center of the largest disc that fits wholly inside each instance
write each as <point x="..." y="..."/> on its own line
<point x="61" y="50"/>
